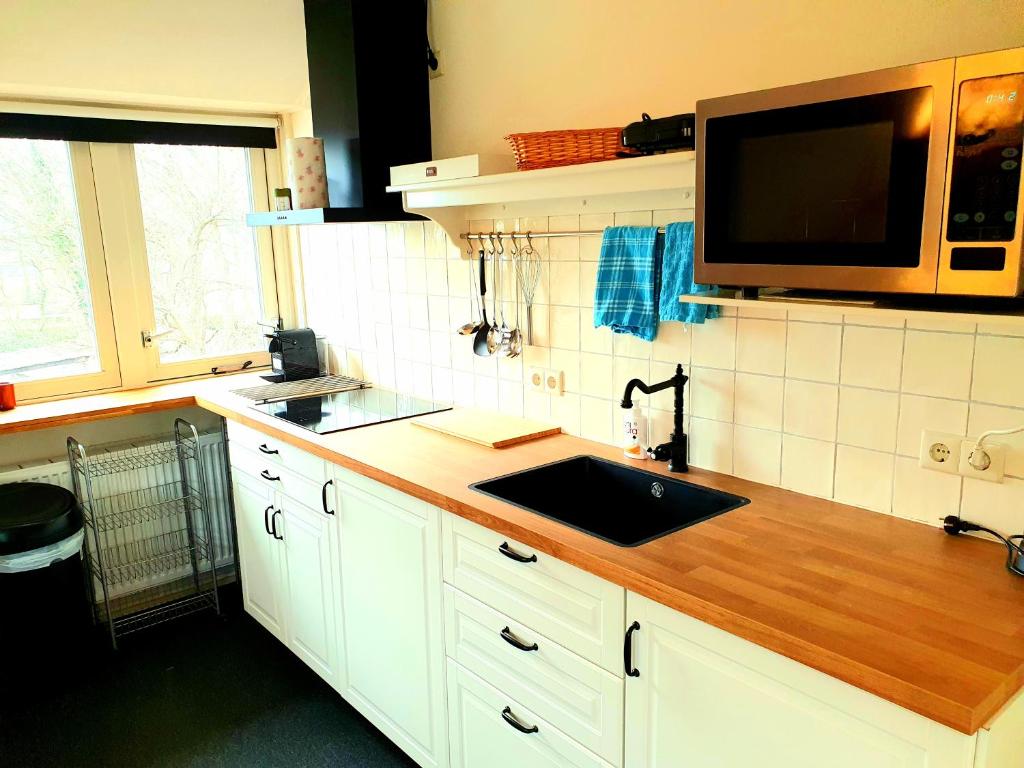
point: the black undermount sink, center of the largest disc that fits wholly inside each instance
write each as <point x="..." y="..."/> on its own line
<point x="620" y="504"/>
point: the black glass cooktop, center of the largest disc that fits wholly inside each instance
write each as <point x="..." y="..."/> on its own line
<point x="348" y="410"/>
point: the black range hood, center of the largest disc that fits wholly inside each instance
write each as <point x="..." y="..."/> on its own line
<point x="368" y="87"/>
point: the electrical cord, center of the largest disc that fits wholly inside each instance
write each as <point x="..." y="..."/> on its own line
<point x="954" y="526"/>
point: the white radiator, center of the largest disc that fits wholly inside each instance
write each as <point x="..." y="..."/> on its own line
<point x="214" y="452"/>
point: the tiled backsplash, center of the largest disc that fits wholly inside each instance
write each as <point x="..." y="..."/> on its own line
<point x="819" y="404"/>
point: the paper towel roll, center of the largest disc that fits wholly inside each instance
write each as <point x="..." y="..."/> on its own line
<point x="307" y="174"/>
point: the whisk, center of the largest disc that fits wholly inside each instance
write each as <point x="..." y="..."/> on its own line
<point x="528" y="266"/>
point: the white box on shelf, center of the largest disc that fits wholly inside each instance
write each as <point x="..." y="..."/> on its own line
<point x="464" y="167"/>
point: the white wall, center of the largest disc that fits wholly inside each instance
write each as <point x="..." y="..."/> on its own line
<point x="232" y="55"/>
<point x="528" y="65"/>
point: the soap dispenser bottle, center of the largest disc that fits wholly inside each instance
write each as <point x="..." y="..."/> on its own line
<point x="634" y="436"/>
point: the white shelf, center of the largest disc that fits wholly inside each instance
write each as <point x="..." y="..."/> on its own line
<point x="640" y="183"/>
<point x="1005" y="312"/>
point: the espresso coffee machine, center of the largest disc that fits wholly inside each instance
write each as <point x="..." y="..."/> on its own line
<point x="293" y="355"/>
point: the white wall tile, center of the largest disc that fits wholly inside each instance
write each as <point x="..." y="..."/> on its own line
<point x="672" y="344"/>
<point x="807" y="465"/>
<point x="565" y="327"/>
<point x="810" y="409"/>
<point x="757" y="455"/>
<point x="633" y="219"/>
<point x="986" y="417"/>
<point x="812" y="351"/>
<point x="864" y="478"/>
<point x="588" y="283"/>
<point x="919" y="413"/>
<point x="565" y="283"/>
<point x="761" y="346"/>
<point x="711" y="393"/>
<point x="537" y="405"/>
<point x="596" y="420"/>
<point x="710" y="444"/>
<point x="758" y="401"/>
<point x="627" y="345"/>
<point x="594" y="339"/>
<point x="714" y="343"/>
<point x="868" y="418"/>
<point x="938" y="364"/>
<point x="940" y="324"/>
<point x="568" y="362"/>
<point x="999" y="506"/>
<point x="564" y="248"/>
<point x="872" y="357"/>
<point x="596" y="375"/>
<point x="923" y="494"/>
<point x="565" y="412"/>
<point x="999" y="371"/>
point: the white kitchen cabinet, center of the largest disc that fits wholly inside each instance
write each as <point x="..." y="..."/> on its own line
<point x="310" y="585"/>
<point x="490" y="730"/>
<point x="390" y="555"/>
<point x="708" y="699"/>
<point x="259" y="556"/>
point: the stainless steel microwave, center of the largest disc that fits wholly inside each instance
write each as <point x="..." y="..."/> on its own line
<point x="905" y="180"/>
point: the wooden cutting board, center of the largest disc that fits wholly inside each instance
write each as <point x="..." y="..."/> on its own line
<point x="495" y="430"/>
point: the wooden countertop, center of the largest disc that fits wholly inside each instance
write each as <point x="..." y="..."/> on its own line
<point x="899" y="609"/>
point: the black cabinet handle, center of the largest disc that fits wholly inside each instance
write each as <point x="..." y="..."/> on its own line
<point x="509" y="718"/>
<point x="266" y="519"/>
<point x="273" y="523"/>
<point x="324" y="497"/>
<point x="515" y="642"/>
<point x="265" y="449"/>
<point x="510" y="553"/>
<point x="627" y="650"/>
<point x="267" y="476"/>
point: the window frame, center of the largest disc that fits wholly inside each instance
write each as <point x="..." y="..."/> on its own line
<point x="110" y="215"/>
<point x="109" y="375"/>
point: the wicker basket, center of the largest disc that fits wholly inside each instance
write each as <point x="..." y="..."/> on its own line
<point x="550" y="149"/>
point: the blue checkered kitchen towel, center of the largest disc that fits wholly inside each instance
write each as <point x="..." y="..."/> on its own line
<point x="627" y="291"/>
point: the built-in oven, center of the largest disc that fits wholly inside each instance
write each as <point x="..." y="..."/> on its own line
<point x="904" y="180"/>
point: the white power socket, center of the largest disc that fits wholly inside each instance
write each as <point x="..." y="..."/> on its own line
<point x="991" y="457"/>
<point x="940" y="451"/>
<point x="536" y="379"/>
<point x="554" y="382"/>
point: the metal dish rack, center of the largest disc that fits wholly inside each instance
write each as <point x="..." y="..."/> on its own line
<point x="149" y="548"/>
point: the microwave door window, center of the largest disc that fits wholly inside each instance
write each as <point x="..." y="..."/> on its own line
<point x="836" y="183"/>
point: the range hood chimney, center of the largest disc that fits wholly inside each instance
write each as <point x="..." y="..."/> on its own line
<point x="368" y="86"/>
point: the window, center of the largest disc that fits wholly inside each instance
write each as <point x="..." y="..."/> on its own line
<point x="54" y="305"/>
<point x="203" y="263"/>
<point x="106" y="246"/>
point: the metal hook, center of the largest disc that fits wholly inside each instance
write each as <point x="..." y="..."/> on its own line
<point x="501" y="248"/>
<point x="529" y="244"/>
<point x="513" y="250"/>
<point x="490" y="239"/>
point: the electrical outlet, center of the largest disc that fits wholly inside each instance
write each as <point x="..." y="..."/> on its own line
<point x="553" y="382"/>
<point x="991" y="457"/>
<point x="536" y="379"/>
<point x="940" y="451"/>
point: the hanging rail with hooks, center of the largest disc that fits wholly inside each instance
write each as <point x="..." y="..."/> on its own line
<point x="533" y="235"/>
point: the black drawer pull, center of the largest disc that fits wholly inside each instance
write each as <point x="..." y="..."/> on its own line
<point x="265" y="449"/>
<point x="273" y="522"/>
<point x="509" y="718"/>
<point x="324" y="497"/>
<point x="510" y="553"/>
<point x="627" y="650"/>
<point x="515" y="642"/>
<point x="266" y="519"/>
<point x="267" y="476"/>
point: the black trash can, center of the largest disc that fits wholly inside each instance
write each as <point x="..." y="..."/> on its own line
<point x="44" y="603"/>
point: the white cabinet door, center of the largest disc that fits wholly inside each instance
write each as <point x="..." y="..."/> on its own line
<point x="311" y="568"/>
<point x="394" y="645"/>
<point x="259" y="556"/>
<point x="707" y="699"/>
<point x="490" y="730"/>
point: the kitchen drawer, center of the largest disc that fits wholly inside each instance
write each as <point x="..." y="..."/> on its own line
<point x="577" y="697"/>
<point x="576" y="609"/>
<point x="480" y="737"/>
<point x="295" y="459"/>
<point x="278" y="478"/>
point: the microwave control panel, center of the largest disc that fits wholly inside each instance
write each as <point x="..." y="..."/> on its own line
<point x="987" y="154"/>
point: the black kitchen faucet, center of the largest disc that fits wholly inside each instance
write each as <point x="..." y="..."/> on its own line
<point x="674" y="451"/>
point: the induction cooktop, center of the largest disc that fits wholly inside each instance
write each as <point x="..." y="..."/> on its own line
<point x="349" y="410"/>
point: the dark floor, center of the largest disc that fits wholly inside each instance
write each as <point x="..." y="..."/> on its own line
<point x="201" y="691"/>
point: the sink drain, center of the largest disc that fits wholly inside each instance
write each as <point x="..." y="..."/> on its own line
<point x="657" y="489"/>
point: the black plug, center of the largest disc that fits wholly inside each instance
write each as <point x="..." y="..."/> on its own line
<point x="954" y="525"/>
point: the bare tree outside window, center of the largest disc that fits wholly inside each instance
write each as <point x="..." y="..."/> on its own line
<point x="202" y="257"/>
<point x="45" y="302"/>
